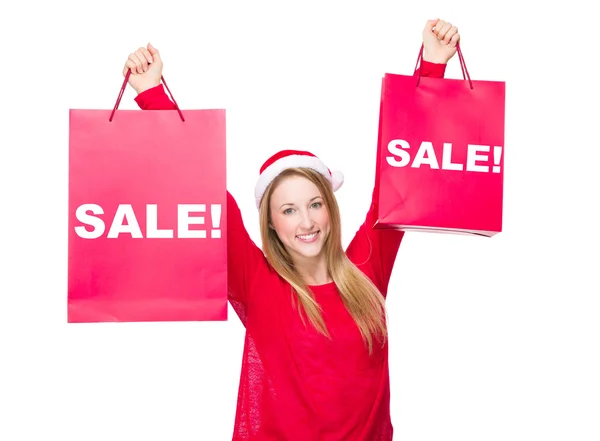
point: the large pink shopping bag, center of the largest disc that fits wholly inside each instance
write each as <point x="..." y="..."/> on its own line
<point x="147" y="198"/>
<point x="440" y="161"/>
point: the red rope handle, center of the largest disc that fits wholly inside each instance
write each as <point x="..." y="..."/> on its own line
<point x="123" y="91"/>
<point x="461" y="59"/>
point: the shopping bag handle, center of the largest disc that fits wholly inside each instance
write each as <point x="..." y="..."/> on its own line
<point x="123" y="90"/>
<point x="461" y="59"/>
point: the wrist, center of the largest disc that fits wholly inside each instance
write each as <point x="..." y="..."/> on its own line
<point x="433" y="58"/>
<point x="140" y="88"/>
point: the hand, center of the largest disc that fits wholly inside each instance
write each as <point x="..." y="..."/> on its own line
<point x="439" y="41"/>
<point x="146" y="68"/>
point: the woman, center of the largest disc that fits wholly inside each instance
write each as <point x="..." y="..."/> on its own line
<point x="315" y="362"/>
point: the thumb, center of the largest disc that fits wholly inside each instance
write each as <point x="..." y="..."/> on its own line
<point x="154" y="52"/>
<point x="431" y="23"/>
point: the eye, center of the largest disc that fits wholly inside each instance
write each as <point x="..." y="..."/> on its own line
<point x="288" y="211"/>
<point x="317" y="205"/>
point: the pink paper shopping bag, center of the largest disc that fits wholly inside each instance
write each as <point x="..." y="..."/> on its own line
<point x="440" y="160"/>
<point x="147" y="198"/>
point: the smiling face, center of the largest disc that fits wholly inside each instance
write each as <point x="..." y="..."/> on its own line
<point x="299" y="217"/>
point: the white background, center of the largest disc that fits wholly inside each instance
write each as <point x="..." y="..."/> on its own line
<point x="490" y="339"/>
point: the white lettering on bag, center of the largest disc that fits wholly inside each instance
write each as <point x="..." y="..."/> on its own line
<point x="478" y="157"/>
<point x="125" y="222"/>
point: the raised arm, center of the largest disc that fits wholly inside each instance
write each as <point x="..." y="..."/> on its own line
<point x="244" y="259"/>
<point x="374" y="250"/>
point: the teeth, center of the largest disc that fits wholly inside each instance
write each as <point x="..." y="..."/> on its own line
<point x="306" y="236"/>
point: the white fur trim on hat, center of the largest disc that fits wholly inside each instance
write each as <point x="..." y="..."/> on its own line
<point x="336" y="178"/>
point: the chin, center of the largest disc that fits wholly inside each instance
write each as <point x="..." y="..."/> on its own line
<point x="310" y="252"/>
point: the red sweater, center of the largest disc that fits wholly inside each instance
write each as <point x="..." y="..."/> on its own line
<point x="297" y="385"/>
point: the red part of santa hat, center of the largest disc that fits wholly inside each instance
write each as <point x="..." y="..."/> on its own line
<point x="285" y="159"/>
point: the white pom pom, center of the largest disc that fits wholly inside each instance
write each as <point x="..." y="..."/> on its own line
<point x="337" y="179"/>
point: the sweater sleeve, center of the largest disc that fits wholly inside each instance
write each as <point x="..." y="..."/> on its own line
<point x="154" y="99"/>
<point x="435" y="70"/>
<point x="374" y="250"/>
<point x="244" y="258"/>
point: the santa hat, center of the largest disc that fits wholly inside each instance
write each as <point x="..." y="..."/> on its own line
<point x="285" y="159"/>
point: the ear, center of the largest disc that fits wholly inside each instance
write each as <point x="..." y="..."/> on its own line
<point x="271" y="226"/>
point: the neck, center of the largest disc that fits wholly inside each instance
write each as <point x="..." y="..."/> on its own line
<point x="313" y="271"/>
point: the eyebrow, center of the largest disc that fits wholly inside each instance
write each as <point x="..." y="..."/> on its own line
<point x="289" y="203"/>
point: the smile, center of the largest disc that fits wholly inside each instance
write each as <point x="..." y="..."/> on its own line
<point x="308" y="238"/>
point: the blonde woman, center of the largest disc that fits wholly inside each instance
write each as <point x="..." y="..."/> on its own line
<point x="315" y="362"/>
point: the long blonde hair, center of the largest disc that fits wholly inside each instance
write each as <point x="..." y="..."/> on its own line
<point x="361" y="297"/>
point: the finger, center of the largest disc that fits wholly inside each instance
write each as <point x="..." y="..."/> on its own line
<point x="146" y="54"/>
<point x="137" y="63"/>
<point x="453" y="30"/>
<point x="444" y="30"/>
<point x="154" y="52"/>
<point x="454" y="40"/>
<point x="130" y="65"/>
<point x="438" y="27"/>
<point x="140" y="54"/>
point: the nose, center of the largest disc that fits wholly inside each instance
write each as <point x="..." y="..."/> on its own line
<point x="306" y="222"/>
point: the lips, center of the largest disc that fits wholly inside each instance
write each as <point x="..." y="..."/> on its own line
<point x="308" y="238"/>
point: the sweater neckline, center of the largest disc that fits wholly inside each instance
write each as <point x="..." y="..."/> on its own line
<point x="330" y="286"/>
